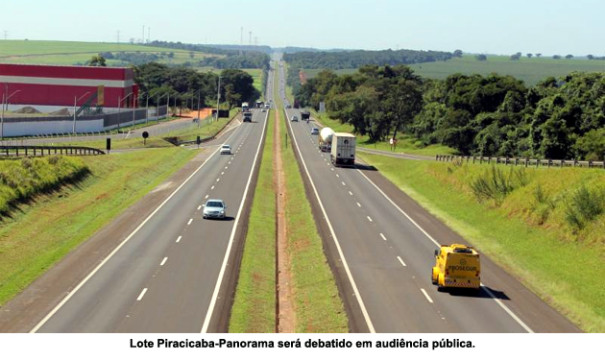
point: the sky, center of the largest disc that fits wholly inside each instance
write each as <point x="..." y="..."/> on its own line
<point x="487" y="26"/>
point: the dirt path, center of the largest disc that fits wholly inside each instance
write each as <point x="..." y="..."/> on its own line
<point x="286" y="318"/>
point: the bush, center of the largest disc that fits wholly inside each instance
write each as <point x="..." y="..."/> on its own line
<point x="584" y="206"/>
<point x="495" y="184"/>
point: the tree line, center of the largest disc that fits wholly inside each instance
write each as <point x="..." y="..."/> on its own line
<point x="185" y="85"/>
<point x="493" y="115"/>
<point x="357" y="58"/>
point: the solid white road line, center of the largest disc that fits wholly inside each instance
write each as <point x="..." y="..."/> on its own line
<point x="383" y="237"/>
<point x="115" y="250"/>
<point x="164" y="261"/>
<point x="401" y="261"/>
<point x="221" y="274"/>
<point x="506" y="309"/>
<point x="179" y="239"/>
<point x="190" y="220"/>
<point x="426" y="295"/>
<point x="142" y="294"/>
<point x="345" y="264"/>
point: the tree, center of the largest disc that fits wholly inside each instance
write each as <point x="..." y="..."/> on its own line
<point x="458" y="53"/>
<point x="590" y="56"/>
<point x="97" y="60"/>
<point x="556" y="57"/>
<point x="516" y="56"/>
<point x="529" y="55"/>
<point x="568" y="56"/>
<point x="481" y="57"/>
<point x="538" y="55"/>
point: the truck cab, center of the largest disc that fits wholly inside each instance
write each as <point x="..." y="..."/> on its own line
<point x="456" y="266"/>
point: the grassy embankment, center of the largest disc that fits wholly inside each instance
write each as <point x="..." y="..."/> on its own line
<point x="255" y="298"/>
<point x="39" y="233"/>
<point x="318" y="306"/>
<point x="538" y="229"/>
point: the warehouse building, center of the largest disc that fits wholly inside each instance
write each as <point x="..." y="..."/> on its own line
<point x="48" y="87"/>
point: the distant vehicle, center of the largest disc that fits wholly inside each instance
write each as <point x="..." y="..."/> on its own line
<point x="294" y="118"/>
<point x="314" y="131"/>
<point x="343" y="149"/>
<point x="268" y="105"/>
<point x="214" y="208"/>
<point x="247" y="116"/>
<point x="259" y="104"/>
<point x="305" y="115"/>
<point x="324" y="141"/>
<point x="264" y="110"/>
<point x="245" y="107"/>
<point x="225" y="149"/>
<point x="456" y="266"/>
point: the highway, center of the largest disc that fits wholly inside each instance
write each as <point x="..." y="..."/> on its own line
<point x="168" y="274"/>
<point x="381" y="244"/>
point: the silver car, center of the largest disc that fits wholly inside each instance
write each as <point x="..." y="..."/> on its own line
<point x="225" y="149"/>
<point x="214" y="208"/>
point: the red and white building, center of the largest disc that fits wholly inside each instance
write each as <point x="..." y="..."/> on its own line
<point x="50" y="86"/>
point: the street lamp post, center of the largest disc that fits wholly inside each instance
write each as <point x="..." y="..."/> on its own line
<point x="73" y="128"/>
<point x="5" y="100"/>
<point x="218" y="96"/>
<point x="157" y="113"/>
<point x="199" y="121"/>
<point x="119" y="103"/>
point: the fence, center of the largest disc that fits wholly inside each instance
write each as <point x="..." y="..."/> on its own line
<point x="39" y="150"/>
<point x="527" y="162"/>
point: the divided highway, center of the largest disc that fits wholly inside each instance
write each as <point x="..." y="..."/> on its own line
<point x="384" y="257"/>
<point x="167" y="275"/>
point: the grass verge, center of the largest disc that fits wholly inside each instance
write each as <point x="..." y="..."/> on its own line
<point x="564" y="268"/>
<point x="255" y="299"/>
<point x="318" y="304"/>
<point x="40" y="233"/>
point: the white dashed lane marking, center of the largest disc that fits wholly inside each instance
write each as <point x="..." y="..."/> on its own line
<point x="179" y="239"/>
<point x="369" y="219"/>
<point x="426" y="295"/>
<point x="142" y="294"/>
<point x="383" y="237"/>
<point x="190" y="220"/>
<point x="164" y="261"/>
<point x="358" y="205"/>
<point x="401" y="261"/>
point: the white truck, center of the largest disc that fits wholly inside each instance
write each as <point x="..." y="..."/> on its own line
<point x="245" y="107"/>
<point x="324" y="140"/>
<point x="343" y="149"/>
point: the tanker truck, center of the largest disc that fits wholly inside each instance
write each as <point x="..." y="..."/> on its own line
<point x="324" y="140"/>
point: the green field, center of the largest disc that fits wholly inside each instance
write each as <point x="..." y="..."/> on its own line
<point x="531" y="71"/>
<point x="526" y="232"/>
<point x="74" y="52"/>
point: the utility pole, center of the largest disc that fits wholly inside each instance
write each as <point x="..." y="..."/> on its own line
<point x="249" y="38"/>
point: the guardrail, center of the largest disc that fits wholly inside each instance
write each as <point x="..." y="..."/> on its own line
<point x="526" y="162"/>
<point x="43" y="150"/>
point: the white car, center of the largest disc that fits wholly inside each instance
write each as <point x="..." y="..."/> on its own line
<point x="225" y="149"/>
<point x="214" y="208"/>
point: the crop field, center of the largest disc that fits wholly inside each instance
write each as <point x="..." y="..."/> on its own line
<point x="531" y="71"/>
<point x="73" y="52"/>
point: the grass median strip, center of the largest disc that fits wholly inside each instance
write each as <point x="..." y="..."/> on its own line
<point x="317" y="302"/>
<point x="562" y="265"/>
<point x="254" y="305"/>
<point x="41" y="232"/>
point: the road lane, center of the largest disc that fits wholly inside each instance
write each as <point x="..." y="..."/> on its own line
<point x="108" y="301"/>
<point x="390" y="257"/>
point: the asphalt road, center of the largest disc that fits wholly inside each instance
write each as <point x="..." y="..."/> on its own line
<point x="166" y="275"/>
<point x="381" y="245"/>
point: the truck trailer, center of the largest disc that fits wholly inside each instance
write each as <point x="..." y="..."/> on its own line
<point x="343" y="149"/>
